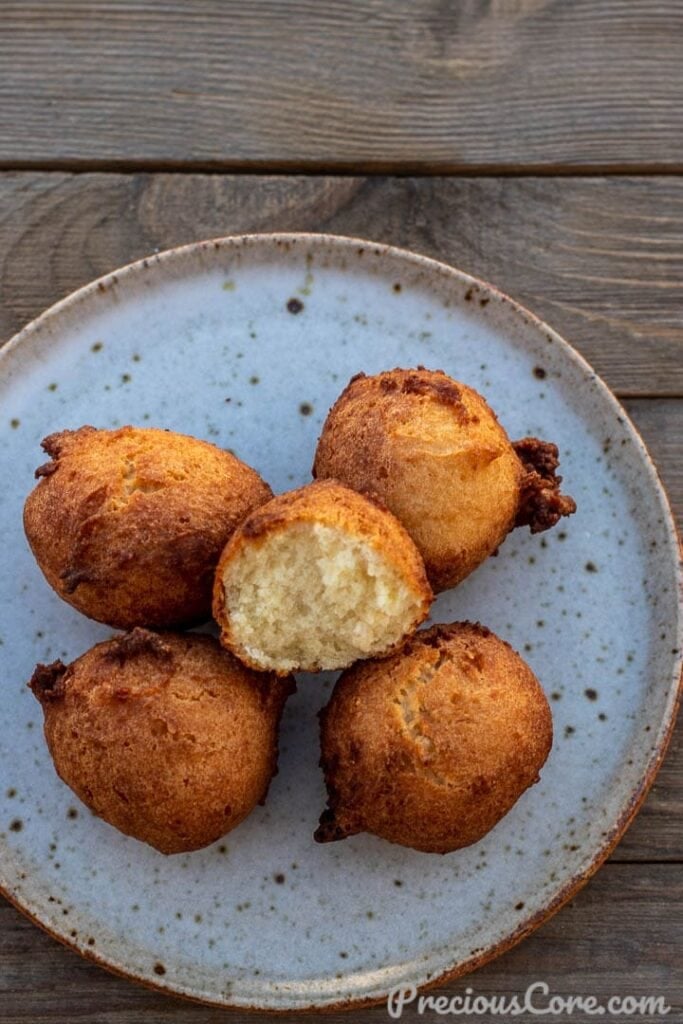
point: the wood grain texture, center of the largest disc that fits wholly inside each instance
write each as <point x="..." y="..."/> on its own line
<point x="601" y="259"/>
<point x="360" y="84"/>
<point x="621" y="935"/>
<point x="661" y="426"/>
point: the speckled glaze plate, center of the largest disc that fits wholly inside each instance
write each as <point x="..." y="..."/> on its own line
<point x="246" y="342"/>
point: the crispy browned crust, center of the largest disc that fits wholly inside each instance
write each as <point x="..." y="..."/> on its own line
<point x="434" y="452"/>
<point x="47" y="681"/>
<point x="137" y="641"/>
<point x="167" y="737"/>
<point x="127" y="525"/>
<point x="331" y="504"/>
<point x="431" y="747"/>
<point x="434" y="384"/>
<point x="541" y="503"/>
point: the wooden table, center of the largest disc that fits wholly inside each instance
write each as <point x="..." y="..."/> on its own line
<point x="536" y="144"/>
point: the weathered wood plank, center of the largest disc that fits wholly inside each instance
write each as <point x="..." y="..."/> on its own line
<point x="600" y="258"/>
<point x="621" y="935"/>
<point x="323" y="83"/>
<point x="661" y="426"/>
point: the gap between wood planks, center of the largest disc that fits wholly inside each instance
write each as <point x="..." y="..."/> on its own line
<point x="370" y="168"/>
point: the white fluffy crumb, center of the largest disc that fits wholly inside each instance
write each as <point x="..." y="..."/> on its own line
<point x="315" y="597"/>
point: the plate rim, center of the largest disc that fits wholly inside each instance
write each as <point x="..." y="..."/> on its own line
<point x="287" y="240"/>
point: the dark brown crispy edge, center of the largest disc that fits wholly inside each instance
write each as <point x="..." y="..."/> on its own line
<point x="54" y="444"/>
<point x="47" y="681"/>
<point x="135" y="642"/>
<point x="541" y="503"/>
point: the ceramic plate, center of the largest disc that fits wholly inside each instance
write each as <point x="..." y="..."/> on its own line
<point x="246" y="342"/>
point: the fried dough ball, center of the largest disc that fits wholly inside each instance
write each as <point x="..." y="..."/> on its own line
<point x="165" y="736"/>
<point x="316" y="579"/>
<point x="431" y="747"/>
<point x="127" y="525"/>
<point x="433" y="451"/>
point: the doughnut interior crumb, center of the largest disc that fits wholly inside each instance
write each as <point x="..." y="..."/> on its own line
<point x="314" y="596"/>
